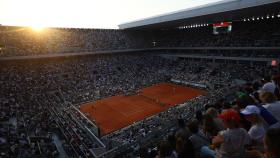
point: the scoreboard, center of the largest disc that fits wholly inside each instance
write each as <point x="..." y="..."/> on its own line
<point x="222" y="27"/>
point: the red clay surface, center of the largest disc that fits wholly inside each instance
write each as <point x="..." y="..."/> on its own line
<point x="116" y="112"/>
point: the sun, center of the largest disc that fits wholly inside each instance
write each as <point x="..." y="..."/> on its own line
<point x="37" y="28"/>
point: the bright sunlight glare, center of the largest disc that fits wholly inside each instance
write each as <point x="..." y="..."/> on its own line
<point x="37" y="28"/>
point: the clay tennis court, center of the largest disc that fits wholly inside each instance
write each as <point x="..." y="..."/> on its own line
<point x="114" y="113"/>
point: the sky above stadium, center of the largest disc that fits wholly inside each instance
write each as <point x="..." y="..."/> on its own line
<point x="86" y="13"/>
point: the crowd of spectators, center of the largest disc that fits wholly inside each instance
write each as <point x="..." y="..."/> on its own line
<point x="251" y="34"/>
<point x="39" y="98"/>
<point x="23" y="41"/>
<point x="234" y="127"/>
<point x="25" y="126"/>
<point x="34" y="93"/>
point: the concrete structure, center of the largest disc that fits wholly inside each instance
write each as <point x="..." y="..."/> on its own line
<point x="226" y="10"/>
<point x="157" y="50"/>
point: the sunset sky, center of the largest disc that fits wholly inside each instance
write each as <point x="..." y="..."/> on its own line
<point x="86" y="13"/>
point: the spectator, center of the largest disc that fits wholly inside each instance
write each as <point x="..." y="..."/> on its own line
<point x="210" y="127"/>
<point x="184" y="148"/>
<point x="218" y="122"/>
<point x="272" y="105"/>
<point x="182" y="131"/>
<point x="197" y="138"/>
<point x="257" y="130"/>
<point x="268" y="85"/>
<point x="233" y="140"/>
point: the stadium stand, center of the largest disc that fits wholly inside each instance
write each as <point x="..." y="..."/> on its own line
<point x="238" y="117"/>
<point x="23" y="41"/>
<point x="244" y="34"/>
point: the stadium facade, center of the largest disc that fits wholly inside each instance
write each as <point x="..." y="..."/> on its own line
<point x="226" y="10"/>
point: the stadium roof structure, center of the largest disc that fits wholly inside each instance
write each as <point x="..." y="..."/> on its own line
<point x="225" y="10"/>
